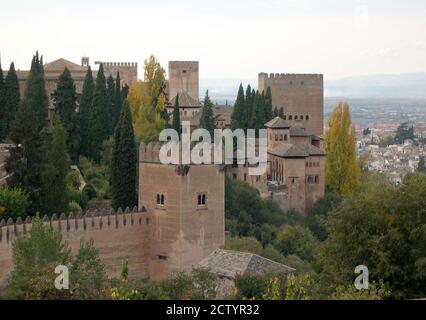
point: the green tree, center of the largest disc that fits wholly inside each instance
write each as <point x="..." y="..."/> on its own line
<point x="111" y="101"/>
<point x="33" y="258"/>
<point x="3" y="112"/>
<point x="404" y="132"/>
<point x="88" y="278"/>
<point x="248" y="107"/>
<point x="55" y="173"/>
<point x="35" y="93"/>
<point x="421" y="167"/>
<point x="297" y="240"/>
<point x="99" y="118"/>
<point x="238" y="113"/>
<point x="85" y="112"/>
<point x="383" y="229"/>
<point x="269" y="113"/>
<point x="207" y="120"/>
<point x="118" y="101"/>
<point x="26" y="160"/>
<point x="13" y="203"/>
<point x="11" y="101"/>
<point x="65" y="106"/>
<point x="342" y="171"/>
<point x="176" y="116"/>
<point x="123" y="167"/>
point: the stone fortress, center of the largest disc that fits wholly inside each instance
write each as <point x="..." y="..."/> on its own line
<point x="296" y="160"/>
<point x="52" y="70"/>
<point x="180" y="218"/>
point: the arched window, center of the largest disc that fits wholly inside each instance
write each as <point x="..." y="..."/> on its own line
<point x="301" y="117"/>
<point x="281" y="137"/>
<point x="201" y="200"/>
<point x="284" y="117"/>
<point x="290" y="117"/>
<point x="285" y="137"/>
<point x="295" y="117"/>
<point x="160" y="200"/>
<point x="276" y="137"/>
<point x="307" y="117"/>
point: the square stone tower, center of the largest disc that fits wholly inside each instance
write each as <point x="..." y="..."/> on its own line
<point x="184" y="77"/>
<point x="186" y="211"/>
<point x="300" y="95"/>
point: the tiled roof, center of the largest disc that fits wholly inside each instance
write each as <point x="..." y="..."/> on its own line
<point x="60" y="64"/>
<point x="185" y="101"/>
<point x="299" y="131"/>
<point x="300" y="150"/>
<point x="277" y="123"/>
<point x="227" y="263"/>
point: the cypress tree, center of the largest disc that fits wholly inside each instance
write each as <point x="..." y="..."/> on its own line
<point x="65" y="105"/>
<point x="25" y="162"/>
<point x="11" y="99"/>
<point x="123" y="163"/>
<point x="110" y="104"/>
<point x="3" y="111"/>
<point x="276" y="112"/>
<point x="176" y="116"/>
<point x="85" y="111"/>
<point x="98" y="119"/>
<point x="64" y="99"/>
<point x="258" y="116"/>
<point x="118" y="101"/>
<point x="54" y="198"/>
<point x="268" y="105"/>
<point x="281" y="112"/>
<point x="248" y="108"/>
<point x="238" y="114"/>
<point x="35" y="94"/>
<point x="207" y="120"/>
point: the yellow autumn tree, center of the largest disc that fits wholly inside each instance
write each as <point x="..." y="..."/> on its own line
<point x="343" y="174"/>
<point x="147" y="102"/>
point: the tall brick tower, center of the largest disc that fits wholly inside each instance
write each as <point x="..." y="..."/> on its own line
<point x="300" y="95"/>
<point x="184" y="77"/>
<point x="186" y="210"/>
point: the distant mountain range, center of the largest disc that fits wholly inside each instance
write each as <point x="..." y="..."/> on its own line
<point x="408" y="85"/>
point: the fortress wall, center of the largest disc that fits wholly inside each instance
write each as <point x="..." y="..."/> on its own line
<point x="297" y="94"/>
<point x="128" y="71"/>
<point x="117" y="236"/>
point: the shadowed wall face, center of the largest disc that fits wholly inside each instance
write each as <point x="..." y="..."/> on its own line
<point x="300" y="95"/>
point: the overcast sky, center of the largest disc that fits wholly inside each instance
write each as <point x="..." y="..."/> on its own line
<point x="231" y="38"/>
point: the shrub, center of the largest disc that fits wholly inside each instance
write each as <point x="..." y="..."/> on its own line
<point x="13" y="202"/>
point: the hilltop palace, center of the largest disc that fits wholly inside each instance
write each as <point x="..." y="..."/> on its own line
<point x="179" y="221"/>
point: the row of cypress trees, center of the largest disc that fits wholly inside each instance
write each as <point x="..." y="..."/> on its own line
<point x="39" y="161"/>
<point x="252" y="109"/>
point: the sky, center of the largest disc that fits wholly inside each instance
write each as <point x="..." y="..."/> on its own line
<point x="234" y="39"/>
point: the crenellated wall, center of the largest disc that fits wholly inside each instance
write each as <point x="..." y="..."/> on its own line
<point x="117" y="235"/>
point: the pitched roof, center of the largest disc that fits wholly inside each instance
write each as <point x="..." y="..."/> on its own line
<point x="185" y="100"/>
<point x="299" y="131"/>
<point x="60" y="64"/>
<point x="277" y="123"/>
<point x="228" y="263"/>
<point x="300" y="150"/>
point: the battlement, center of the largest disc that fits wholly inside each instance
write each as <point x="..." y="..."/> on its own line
<point x="120" y="64"/>
<point x="290" y="76"/>
<point x="83" y="222"/>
